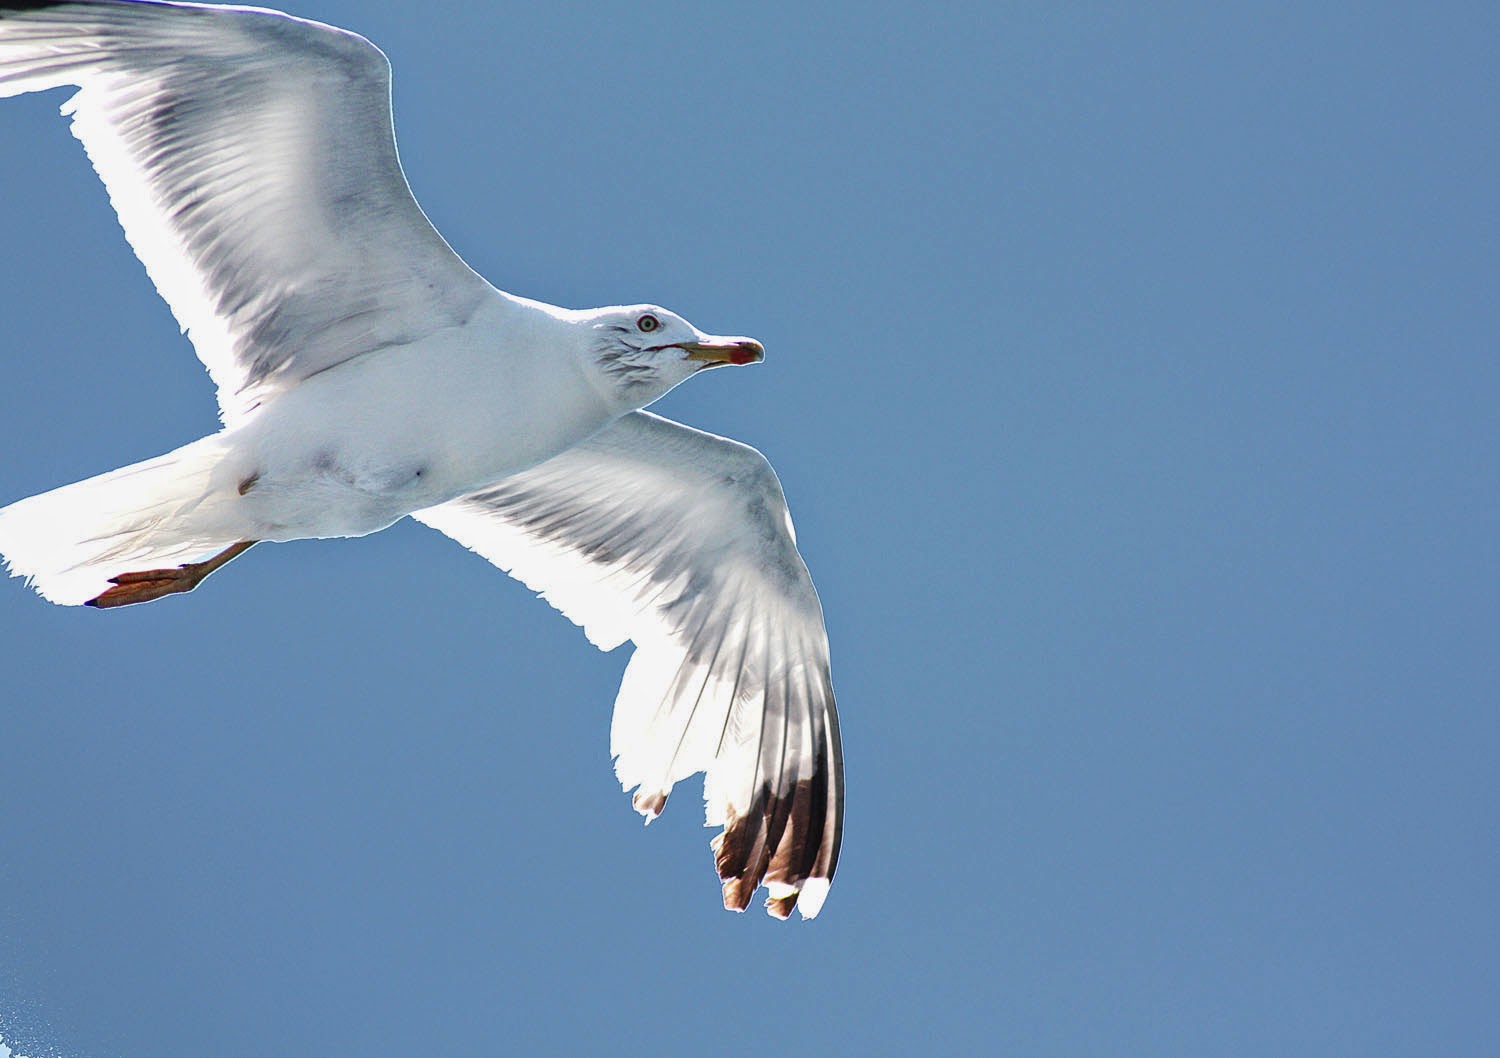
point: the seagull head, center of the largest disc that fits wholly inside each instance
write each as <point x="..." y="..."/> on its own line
<point x="645" y="350"/>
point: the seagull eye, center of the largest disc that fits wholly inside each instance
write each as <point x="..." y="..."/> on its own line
<point x="647" y="323"/>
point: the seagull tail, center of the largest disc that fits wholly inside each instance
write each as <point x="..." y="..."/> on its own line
<point x="162" y="512"/>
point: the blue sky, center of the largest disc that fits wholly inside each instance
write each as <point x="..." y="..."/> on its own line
<point x="1132" y="379"/>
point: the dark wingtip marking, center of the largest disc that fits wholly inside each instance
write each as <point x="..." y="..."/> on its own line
<point x="738" y="893"/>
<point x="649" y="804"/>
<point x="781" y="839"/>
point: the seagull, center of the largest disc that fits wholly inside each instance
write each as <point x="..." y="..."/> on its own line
<point x="365" y="373"/>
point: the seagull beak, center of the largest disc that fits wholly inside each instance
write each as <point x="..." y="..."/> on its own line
<point x="718" y="351"/>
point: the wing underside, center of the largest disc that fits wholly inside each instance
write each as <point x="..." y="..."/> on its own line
<point x="681" y="542"/>
<point x="251" y="160"/>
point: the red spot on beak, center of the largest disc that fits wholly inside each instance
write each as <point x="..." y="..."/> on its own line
<point x="748" y="352"/>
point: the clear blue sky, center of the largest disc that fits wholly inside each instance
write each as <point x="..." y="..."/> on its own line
<point x="1133" y="380"/>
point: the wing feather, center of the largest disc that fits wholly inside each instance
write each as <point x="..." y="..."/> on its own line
<point x="251" y="160"/>
<point x="680" y="541"/>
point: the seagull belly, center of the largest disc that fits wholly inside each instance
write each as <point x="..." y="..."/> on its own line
<point x="352" y="450"/>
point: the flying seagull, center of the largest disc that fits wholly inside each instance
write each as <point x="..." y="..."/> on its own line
<point x="365" y="373"/>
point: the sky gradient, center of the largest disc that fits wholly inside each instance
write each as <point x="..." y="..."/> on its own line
<point x="1132" y="379"/>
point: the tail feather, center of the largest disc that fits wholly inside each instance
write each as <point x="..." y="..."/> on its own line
<point x="162" y="512"/>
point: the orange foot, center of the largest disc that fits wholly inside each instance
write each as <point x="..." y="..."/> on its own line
<point x="154" y="583"/>
<point x="147" y="585"/>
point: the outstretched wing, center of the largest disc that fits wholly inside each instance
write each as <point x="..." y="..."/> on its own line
<point x="251" y="160"/>
<point x="681" y="541"/>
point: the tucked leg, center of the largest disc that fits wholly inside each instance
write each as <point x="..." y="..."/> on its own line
<point x="154" y="583"/>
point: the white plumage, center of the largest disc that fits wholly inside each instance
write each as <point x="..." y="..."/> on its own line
<point x="681" y="541"/>
<point x="365" y="373"/>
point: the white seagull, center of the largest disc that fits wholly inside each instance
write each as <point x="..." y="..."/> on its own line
<point x="364" y="373"/>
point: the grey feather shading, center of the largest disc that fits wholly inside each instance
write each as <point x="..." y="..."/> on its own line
<point x="236" y="147"/>
<point x="680" y="541"/>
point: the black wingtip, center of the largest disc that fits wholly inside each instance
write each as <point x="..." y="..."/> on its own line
<point x="28" y="5"/>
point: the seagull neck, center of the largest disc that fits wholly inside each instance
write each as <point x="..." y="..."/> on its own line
<point x="568" y="340"/>
<point x="571" y="337"/>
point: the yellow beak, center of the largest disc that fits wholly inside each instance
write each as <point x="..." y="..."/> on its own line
<point x="725" y="351"/>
